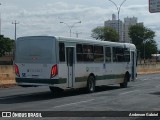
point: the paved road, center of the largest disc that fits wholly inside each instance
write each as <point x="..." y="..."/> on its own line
<point x="141" y="95"/>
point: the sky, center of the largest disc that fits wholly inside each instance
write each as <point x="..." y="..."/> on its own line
<point x="43" y="17"/>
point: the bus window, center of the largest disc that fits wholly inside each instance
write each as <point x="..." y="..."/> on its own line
<point x="114" y="54"/>
<point x="118" y="54"/>
<point x="127" y="55"/>
<point x="108" y="54"/>
<point x="79" y="51"/>
<point x="98" y="54"/>
<point x="88" y="53"/>
<point x="61" y="52"/>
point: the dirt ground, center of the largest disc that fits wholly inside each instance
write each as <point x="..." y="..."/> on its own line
<point x="148" y="71"/>
<point x="7" y="78"/>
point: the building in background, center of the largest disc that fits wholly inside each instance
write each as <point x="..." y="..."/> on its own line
<point x="114" y="24"/>
<point x="128" y="22"/>
<point x="123" y="27"/>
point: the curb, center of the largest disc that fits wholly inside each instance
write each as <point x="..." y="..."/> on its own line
<point x="7" y="85"/>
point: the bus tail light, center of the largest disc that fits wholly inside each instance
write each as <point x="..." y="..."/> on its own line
<point x="54" y="71"/>
<point x="16" y="70"/>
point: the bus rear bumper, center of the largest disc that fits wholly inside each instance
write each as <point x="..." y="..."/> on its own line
<point x="38" y="82"/>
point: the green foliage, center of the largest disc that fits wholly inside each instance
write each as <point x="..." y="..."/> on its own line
<point x="143" y="38"/>
<point x="105" y="34"/>
<point x="6" y="45"/>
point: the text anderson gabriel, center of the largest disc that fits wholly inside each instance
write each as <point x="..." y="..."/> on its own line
<point x="144" y="114"/>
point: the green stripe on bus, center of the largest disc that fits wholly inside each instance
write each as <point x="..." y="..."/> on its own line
<point x="81" y="79"/>
<point x="107" y="77"/>
<point x="64" y="80"/>
<point x="103" y="77"/>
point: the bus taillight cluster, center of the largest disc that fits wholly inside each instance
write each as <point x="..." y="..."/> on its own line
<point x="54" y="71"/>
<point x="16" y="70"/>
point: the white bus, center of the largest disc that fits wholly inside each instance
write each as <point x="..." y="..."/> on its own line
<point x="61" y="62"/>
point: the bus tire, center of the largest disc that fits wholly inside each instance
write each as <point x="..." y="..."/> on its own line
<point x="125" y="82"/>
<point x="56" y="90"/>
<point x="91" y="84"/>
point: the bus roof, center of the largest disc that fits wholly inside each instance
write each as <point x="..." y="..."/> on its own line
<point x="92" y="41"/>
<point x="97" y="42"/>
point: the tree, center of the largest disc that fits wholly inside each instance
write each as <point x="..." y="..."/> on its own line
<point x="105" y="34"/>
<point x="143" y="38"/>
<point x="6" y="45"/>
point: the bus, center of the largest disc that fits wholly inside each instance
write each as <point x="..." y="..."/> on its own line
<point x="66" y="63"/>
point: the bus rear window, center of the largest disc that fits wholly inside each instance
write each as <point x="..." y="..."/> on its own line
<point x="35" y="50"/>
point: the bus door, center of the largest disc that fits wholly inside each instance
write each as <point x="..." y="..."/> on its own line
<point x="70" y="65"/>
<point x="133" y="65"/>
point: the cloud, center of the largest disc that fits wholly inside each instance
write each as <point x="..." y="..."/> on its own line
<point x="44" y="19"/>
<point x="48" y="18"/>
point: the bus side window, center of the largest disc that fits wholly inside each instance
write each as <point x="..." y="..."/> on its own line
<point x="61" y="52"/>
<point x="114" y="54"/>
<point x="79" y="52"/>
<point x="127" y="55"/>
<point x="108" y="54"/>
<point x="118" y="54"/>
<point x="98" y="54"/>
<point x="88" y="53"/>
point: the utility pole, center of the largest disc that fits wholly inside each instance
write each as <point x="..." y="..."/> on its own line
<point x="15" y="23"/>
<point x="77" y="33"/>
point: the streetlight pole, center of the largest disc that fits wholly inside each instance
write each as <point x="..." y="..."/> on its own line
<point x="15" y="23"/>
<point x="118" y="10"/>
<point x="70" y="26"/>
<point x="144" y="50"/>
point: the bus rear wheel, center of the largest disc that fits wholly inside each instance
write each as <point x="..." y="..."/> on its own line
<point x="91" y="84"/>
<point x="125" y="82"/>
